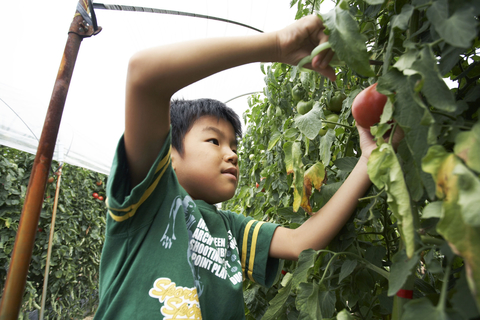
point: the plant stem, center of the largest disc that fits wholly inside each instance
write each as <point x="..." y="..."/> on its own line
<point x="443" y="293"/>
<point x="390" y="140"/>
<point x="423" y="5"/>
<point x="367" y="263"/>
<point x="434" y="43"/>
<point x="372" y="197"/>
<point x="443" y="114"/>
<point x="339" y="124"/>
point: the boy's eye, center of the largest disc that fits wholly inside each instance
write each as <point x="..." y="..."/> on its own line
<point x="214" y="141"/>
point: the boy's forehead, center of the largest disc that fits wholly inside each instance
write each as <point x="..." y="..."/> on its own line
<point x="213" y="124"/>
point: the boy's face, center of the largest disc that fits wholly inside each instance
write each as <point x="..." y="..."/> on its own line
<point x="208" y="169"/>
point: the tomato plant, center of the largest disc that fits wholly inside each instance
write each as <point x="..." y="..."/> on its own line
<point x="404" y="253"/>
<point x="77" y="243"/>
<point x="367" y="107"/>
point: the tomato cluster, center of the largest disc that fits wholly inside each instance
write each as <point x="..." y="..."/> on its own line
<point x="96" y="196"/>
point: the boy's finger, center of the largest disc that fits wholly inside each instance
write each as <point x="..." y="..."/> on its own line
<point x="324" y="69"/>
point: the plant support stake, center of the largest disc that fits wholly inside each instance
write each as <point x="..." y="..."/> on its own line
<point x="50" y="243"/>
<point x="80" y="28"/>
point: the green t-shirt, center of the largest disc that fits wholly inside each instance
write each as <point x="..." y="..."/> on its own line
<point x="167" y="256"/>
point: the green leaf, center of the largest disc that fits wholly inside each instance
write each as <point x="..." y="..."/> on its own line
<point x="467" y="147"/>
<point x="346" y="163"/>
<point x="422" y="309"/>
<point x="327" y="303"/>
<point x="401" y="268"/>
<point x="307" y="78"/>
<point x="400" y="21"/>
<point x="306" y="261"/>
<point x="463" y="238"/>
<point x="325" y="145"/>
<point x="413" y="173"/>
<point x="277" y="303"/>
<point x="344" y="315"/>
<point x="385" y="172"/>
<point x="347" y="268"/>
<point x="374" y="2"/>
<point x="468" y="195"/>
<point x="387" y="112"/>
<point x="459" y="29"/>
<point x="298" y="174"/>
<point x="310" y="123"/>
<point x="274" y="140"/>
<point x="291" y="133"/>
<point x="347" y="41"/>
<point x="462" y="299"/>
<point x="287" y="150"/>
<point x="408" y="113"/>
<point x="433" y="210"/>
<point x="308" y="301"/>
<point x="437" y="91"/>
<point x="254" y="301"/>
<point x="375" y="255"/>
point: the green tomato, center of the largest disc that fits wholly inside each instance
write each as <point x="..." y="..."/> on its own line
<point x="336" y="101"/>
<point x="270" y="112"/>
<point x="298" y="92"/>
<point x="278" y="112"/>
<point x="304" y="107"/>
<point x="333" y="118"/>
<point x="251" y="156"/>
<point x="323" y="131"/>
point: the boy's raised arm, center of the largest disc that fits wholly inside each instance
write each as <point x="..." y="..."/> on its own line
<point x="154" y="75"/>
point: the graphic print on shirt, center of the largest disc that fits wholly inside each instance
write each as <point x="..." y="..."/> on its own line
<point x="178" y="302"/>
<point x="187" y="204"/>
<point x="214" y="254"/>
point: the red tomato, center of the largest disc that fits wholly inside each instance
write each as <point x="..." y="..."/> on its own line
<point x="98" y="183"/>
<point x="95" y="195"/>
<point x="50" y="180"/>
<point x="100" y="198"/>
<point x="40" y="229"/>
<point x="284" y="272"/>
<point x="368" y="106"/>
<point x="256" y="185"/>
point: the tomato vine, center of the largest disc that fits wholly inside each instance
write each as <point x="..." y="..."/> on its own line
<point x="410" y="226"/>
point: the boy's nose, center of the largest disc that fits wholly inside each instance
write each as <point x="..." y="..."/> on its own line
<point x="231" y="157"/>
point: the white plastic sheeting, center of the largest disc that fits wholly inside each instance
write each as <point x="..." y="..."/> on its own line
<point x="33" y="36"/>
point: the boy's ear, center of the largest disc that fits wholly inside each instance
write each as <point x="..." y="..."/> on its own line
<point x="174" y="155"/>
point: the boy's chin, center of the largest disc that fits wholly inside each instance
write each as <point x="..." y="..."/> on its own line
<point x="220" y="197"/>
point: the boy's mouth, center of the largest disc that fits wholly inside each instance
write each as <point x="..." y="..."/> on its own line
<point x="231" y="171"/>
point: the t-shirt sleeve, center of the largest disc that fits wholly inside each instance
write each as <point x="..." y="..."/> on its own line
<point x="123" y="202"/>
<point x="253" y="240"/>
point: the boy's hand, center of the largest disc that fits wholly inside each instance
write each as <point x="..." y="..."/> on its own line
<point x="368" y="145"/>
<point x="299" y="39"/>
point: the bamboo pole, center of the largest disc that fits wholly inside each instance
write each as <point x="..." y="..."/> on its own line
<point x="50" y="243"/>
<point x="25" y="238"/>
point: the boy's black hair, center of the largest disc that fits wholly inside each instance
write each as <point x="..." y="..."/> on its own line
<point x="183" y="113"/>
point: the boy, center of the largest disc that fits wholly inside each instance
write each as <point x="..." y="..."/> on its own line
<point x="169" y="253"/>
